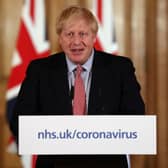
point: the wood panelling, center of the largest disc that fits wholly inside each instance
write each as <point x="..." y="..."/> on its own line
<point x="122" y="19"/>
<point x="138" y="45"/>
<point x="142" y="34"/>
<point x="9" y="16"/>
<point x="9" y="23"/>
<point x="151" y="67"/>
<point x="162" y="81"/>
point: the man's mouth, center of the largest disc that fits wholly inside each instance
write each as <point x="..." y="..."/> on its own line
<point x="77" y="51"/>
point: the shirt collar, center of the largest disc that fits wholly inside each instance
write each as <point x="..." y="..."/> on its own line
<point x="87" y="65"/>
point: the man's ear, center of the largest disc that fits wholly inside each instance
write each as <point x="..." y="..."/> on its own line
<point x="95" y="37"/>
<point x="59" y="39"/>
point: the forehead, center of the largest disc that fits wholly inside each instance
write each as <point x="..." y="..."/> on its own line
<point x="76" y="23"/>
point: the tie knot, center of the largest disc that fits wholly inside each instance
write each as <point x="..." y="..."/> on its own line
<point x="79" y="69"/>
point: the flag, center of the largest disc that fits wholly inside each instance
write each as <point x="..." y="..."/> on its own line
<point x="31" y="44"/>
<point x="106" y="38"/>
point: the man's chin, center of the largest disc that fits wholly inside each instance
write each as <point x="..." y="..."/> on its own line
<point x="79" y="62"/>
<point x="78" y="59"/>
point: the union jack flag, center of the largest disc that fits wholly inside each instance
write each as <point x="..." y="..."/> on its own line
<point x="31" y="43"/>
<point x="106" y="39"/>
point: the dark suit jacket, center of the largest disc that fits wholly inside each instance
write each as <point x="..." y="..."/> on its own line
<point x="114" y="91"/>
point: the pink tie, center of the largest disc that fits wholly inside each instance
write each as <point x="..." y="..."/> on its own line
<point x="79" y="102"/>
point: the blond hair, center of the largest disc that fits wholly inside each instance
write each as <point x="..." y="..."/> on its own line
<point x="77" y="12"/>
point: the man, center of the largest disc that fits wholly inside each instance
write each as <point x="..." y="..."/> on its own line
<point x="109" y="83"/>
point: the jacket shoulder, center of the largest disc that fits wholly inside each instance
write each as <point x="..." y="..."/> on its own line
<point x="54" y="60"/>
<point x="43" y="64"/>
<point x="49" y="59"/>
<point x="115" y="60"/>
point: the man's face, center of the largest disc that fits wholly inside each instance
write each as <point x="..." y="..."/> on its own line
<point x="77" y="40"/>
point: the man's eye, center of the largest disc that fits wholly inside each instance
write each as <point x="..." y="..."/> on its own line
<point x="70" y="34"/>
<point x="82" y="34"/>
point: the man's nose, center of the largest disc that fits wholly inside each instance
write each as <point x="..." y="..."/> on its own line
<point x="77" y="39"/>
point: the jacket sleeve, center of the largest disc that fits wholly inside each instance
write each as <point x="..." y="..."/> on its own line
<point x="131" y="100"/>
<point x="27" y="100"/>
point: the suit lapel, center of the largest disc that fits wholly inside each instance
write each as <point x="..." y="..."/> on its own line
<point x="95" y="106"/>
<point x="60" y="86"/>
